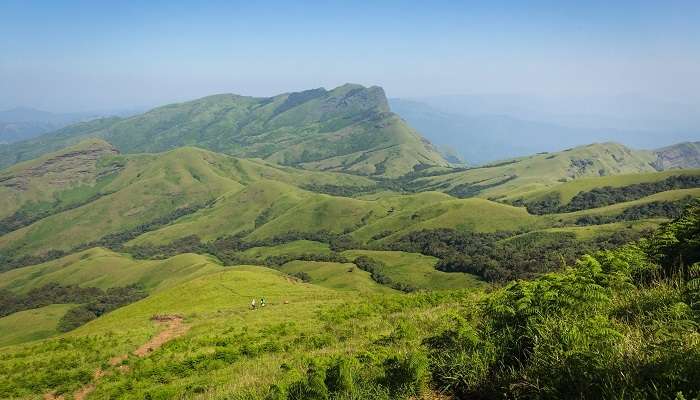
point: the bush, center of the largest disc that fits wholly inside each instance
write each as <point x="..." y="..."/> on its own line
<point x="276" y="393"/>
<point x="313" y="387"/>
<point x="339" y="376"/>
<point x="406" y="376"/>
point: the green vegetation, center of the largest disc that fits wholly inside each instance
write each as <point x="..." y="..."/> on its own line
<point x="527" y="176"/>
<point x="607" y="195"/>
<point x="105" y="269"/>
<point x="412" y="280"/>
<point x="52" y="293"/>
<point x="97" y="306"/>
<point x="34" y="324"/>
<point x="349" y="128"/>
<point x="416" y="270"/>
<point x="618" y="323"/>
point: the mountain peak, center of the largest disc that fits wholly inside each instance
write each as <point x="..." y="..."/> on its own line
<point x="349" y="128"/>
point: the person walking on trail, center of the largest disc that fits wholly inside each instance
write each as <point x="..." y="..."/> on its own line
<point x="252" y="304"/>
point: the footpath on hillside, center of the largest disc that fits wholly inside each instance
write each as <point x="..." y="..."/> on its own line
<point x="173" y="328"/>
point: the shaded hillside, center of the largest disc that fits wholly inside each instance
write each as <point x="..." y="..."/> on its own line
<point x="681" y="155"/>
<point x="349" y="128"/>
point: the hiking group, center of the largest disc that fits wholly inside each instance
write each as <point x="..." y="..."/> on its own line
<point x="253" y="305"/>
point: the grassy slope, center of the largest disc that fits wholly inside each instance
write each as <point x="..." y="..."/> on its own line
<point x="29" y="325"/>
<point x="292" y="209"/>
<point x="314" y="321"/>
<point x="151" y="186"/>
<point x="618" y="208"/>
<point x="539" y="172"/>
<point x="337" y="276"/>
<point x="567" y="191"/>
<point x="417" y="270"/>
<point x="466" y="214"/>
<point x="44" y="179"/>
<point x="351" y="125"/>
<point x="295" y="248"/>
<point x="592" y="231"/>
<point x="103" y="268"/>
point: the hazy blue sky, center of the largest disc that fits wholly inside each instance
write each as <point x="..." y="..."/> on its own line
<point x="78" y="55"/>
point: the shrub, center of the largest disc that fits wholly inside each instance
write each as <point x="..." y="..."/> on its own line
<point x="406" y="376"/>
<point x="313" y="387"/>
<point x="276" y="393"/>
<point x="339" y="376"/>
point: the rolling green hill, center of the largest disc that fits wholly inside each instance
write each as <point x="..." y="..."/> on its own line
<point x="105" y="269"/>
<point x="417" y="270"/>
<point x="184" y="224"/>
<point x="142" y="189"/>
<point x="47" y="181"/>
<point x="155" y="199"/>
<point x="566" y="191"/>
<point x="349" y="128"/>
<point x="523" y="176"/>
<point x="30" y="325"/>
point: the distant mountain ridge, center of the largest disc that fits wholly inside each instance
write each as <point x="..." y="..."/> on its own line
<point x="23" y="123"/>
<point x="486" y="129"/>
<point x="347" y="129"/>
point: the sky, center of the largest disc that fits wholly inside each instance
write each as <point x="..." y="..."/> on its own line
<point x="92" y="55"/>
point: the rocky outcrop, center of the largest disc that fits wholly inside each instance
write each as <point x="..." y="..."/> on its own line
<point x="682" y="155"/>
<point x="74" y="165"/>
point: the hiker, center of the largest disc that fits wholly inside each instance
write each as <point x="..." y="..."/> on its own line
<point x="252" y="304"/>
<point x="262" y="302"/>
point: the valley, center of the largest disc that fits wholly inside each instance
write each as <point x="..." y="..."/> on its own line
<point x="386" y="271"/>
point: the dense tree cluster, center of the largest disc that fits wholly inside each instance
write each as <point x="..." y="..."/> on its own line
<point x="94" y="301"/>
<point x="51" y="293"/>
<point x="503" y="256"/>
<point x="376" y="270"/>
<point x="654" y="209"/>
<point x="276" y="261"/>
<point x="607" y="195"/>
<point x="472" y="189"/>
<point x="338" y="190"/>
<point x="228" y="248"/>
<point x="104" y="302"/>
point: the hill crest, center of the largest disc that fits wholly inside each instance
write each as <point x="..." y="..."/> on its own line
<point x="346" y="129"/>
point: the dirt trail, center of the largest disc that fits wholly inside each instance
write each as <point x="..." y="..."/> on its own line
<point x="174" y="328"/>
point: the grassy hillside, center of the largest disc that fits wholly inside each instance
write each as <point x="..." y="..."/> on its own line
<point x="476" y="215"/>
<point x="618" y="323"/>
<point x="295" y="248"/>
<point x="523" y="176"/>
<point x="104" y="269"/>
<point x="143" y="189"/>
<point x="56" y="180"/>
<point x="30" y="325"/>
<point x="349" y="128"/>
<point x="417" y="270"/>
<point x="304" y="318"/>
<point x="340" y="276"/>
<point x="566" y="191"/>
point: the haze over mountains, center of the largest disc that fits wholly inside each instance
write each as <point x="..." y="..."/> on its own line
<point x="483" y="128"/>
<point x="21" y="123"/>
